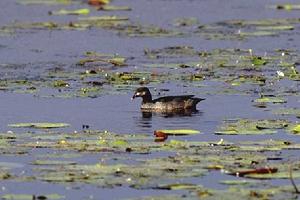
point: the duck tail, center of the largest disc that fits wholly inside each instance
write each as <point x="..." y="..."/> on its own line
<point x="197" y="100"/>
<point x="192" y="103"/>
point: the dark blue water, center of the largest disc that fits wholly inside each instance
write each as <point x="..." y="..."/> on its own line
<point x="117" y="113"/>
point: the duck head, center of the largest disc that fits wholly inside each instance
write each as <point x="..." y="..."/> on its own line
<point x="143" y="92"/>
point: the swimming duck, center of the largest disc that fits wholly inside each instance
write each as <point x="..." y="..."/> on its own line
<point x="167" y="103"/>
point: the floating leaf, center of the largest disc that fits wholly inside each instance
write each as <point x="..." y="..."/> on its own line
<point x="98" y="2"/>
<point x="120" y="143"/>
<point x="39" y="125"/>
<point x="287" y="7"/>
<point x="60" y="83"/>
<point x="53" y="162"/>
<point x="270" y="100"/>
<point x="46" y="2"/>
<point x="272" y="124"/>
<point x="114" y="8"/>
<point x="250" y="127"/>
<point x="265" y="170"/>
<point x="160" y="136"/>
<point x="31" y="197"/>
<point x="179" y="186"/>
<point x="277" y="28"/>
<point x="239" y="182"/>
<point x="179" y="131"/>
<point x="296" y="129"/>
<point x="83" y="11"/>
<point x="258" y="61"/>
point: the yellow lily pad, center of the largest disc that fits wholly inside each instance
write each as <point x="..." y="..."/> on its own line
<point x="83" y="11"/>
<point x="296" y="129"/>
<point x="179" y="131"/>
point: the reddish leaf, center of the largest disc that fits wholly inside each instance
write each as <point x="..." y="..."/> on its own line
<point x="160" y="136"/>
<point x="264" y="170"/>
<point x="98" y="2"/>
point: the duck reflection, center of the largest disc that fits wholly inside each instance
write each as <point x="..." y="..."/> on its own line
<point x="145" y="122"/>
<point x="174" y="113"/>
<point x="147" y="119"/>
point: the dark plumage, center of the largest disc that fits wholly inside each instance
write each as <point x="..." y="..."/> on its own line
<point x="167" y="103"/>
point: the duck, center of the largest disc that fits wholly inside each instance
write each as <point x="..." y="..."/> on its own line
<point x="167" y="103"/>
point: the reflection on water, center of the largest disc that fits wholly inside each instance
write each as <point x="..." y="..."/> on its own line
<point x="176" y="113"/>
<point x="147" y="120"/>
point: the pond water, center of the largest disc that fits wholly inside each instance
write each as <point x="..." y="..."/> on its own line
<point x="229" y="53"/>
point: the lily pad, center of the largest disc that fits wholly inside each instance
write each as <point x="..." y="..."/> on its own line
<point x="250" y="127"/>
<point x="179" y="131"/>
<point x="272" y="124"/>
<point x="83" y="11"/>
<point x="296" y="129"/>
<point x="179" y="186"/>
<point x="258" y="61"/>
<point x="239" y="182"/>
<point x="270" y="100"/>
<point x="287" y="7"/>
<point x="45" y="2"/>
<point x="114" y="8"/>
<point x="30" y="197"/>
<point x="39" y="125"/>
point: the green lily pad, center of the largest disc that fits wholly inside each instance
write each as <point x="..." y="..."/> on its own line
<point x="273" y="28"/>
<point x="272" y="124"/>
<point x="179" y="186"/>
<point x="287" y="7"/>
<point x="270" y="100"/>
<point x="258" y="61"/>
<point x="250" y="127"/>
<point x="30" y="196"/>
<point x="239" y="182"/>
<point x="60" y="83"/>
<point x="39" y="125"/>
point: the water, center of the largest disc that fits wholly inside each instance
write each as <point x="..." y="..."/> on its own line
<point x="117" y="113"/>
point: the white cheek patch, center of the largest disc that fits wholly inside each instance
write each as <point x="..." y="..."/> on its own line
<point x="137" y="94"/>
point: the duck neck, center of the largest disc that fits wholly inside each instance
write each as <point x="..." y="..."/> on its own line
<point x="147" y="98"/>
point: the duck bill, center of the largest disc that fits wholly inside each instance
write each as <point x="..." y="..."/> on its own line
<point x="133" y="97"/>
